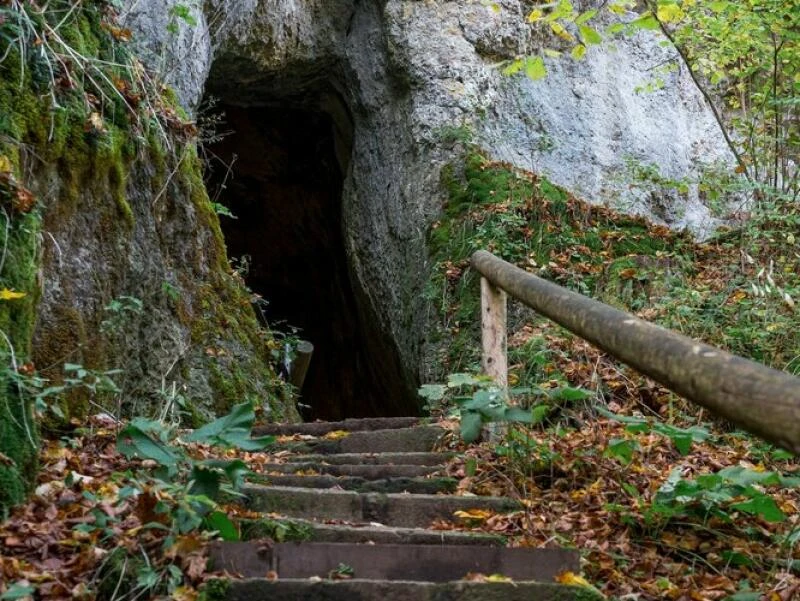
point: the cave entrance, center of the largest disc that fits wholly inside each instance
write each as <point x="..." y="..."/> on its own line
<point x="280" y="172"/>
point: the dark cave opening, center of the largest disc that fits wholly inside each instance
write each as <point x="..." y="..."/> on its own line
<point x="280" y="173"/>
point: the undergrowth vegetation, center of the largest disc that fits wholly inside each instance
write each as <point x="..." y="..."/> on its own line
<point x="663" y="499"/>
<point x="736" y="290"/>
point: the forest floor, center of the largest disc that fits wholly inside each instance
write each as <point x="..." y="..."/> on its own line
<point x="628" y="500"/>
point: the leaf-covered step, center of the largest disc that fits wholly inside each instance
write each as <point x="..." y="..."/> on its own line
<point x="395" y="484"/>
<point x="376" y="458"/>
<point x="421" y="563"/>
<point x="347" y="425"/>
<point x="298" y="529"/>
<point x="407" y="510"/>
<point x="381" y="590"/>
<point x="403" y="440"/>
<point x="358" y="470"/>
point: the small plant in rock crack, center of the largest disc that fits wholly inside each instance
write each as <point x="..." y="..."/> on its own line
<point x="46" y="394"/>
<point x="476" y="401"/>
<point x="342" y="572"/>
<point x="119" y="311"/>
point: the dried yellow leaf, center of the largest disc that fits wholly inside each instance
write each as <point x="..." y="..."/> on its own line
<point x="535" y="15"/>
<point x="6" y="294"/>
<point x="473" y="514"/>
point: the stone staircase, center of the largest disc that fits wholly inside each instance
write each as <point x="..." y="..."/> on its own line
<point x="363" y="504"/>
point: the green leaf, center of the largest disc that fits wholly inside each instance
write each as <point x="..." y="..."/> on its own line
<point x="744" y="596"/>
<point x="762" y="506"/>
<point x="205" y="482"/>
<point x="518" y="414"/>
<point x="534" y="68"/>
<point x="184" y="13"/>
<point x="132" y="441"/>
<point x="535" y="15"/>
<point x="471" y="467"/>
<point x="742" y="476"/>
<point x="220" y="522"/>
<point x="682" y="442"/>
<point x="585" y="16"/>
<point x="432" y="392"/>
<point x="240" y="417"/>
<point x="235" y="470"/>
<point x="456" y="380"/>
<point x="241" y="440"/>
<point x="623" y="419"/>
<point x="186" y="519"/>
<point x="578" y="52"/>
<point x="482" y="399"/>
<point x="670" y="13"/>
<point x="232" y="430"/>
<point x="17" y="591"/>
<point x="735" y="558"/>
<point x="646" y="21"/>
<point x="589" y="35"/>
<point x="511" y="68"/>
<point x="471" y="423"/>
<point x="563" y="10"/>
<point x="567" y="393"/>
<point x="621" y="449"/>
<point x="539" y="413"/>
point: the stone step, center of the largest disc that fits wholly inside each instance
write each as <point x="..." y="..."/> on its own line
<point x="400" y="458"/>
<point x="406" y="510"/>
<point x="358" y="470"/>
<point x="397" y="484"/>
<point x="419" y="563"/>
<point x="347" y="425"/>
<point x="297" y="529"/>
<point x="258" y="589"/>
<point x="402" y="440"/>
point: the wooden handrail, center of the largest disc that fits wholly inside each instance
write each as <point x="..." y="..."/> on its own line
<point x="757" y="398"/>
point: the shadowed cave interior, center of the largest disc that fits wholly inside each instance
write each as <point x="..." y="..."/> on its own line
<point x="279" y="175"/>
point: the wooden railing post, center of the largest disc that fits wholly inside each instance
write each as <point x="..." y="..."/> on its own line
<point x="494" y="360"/>
<point x="299" y="366"/>
<point x="493" y="333"/>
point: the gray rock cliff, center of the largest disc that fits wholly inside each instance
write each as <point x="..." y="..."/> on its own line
<point x="394" y="75"/>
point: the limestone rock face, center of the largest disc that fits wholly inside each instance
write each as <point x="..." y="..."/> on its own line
<point x="136" y="280"/>
<point x="398" y="76"/>
<point x="173" y="38"/>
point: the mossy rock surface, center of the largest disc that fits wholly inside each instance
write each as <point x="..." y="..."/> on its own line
<point x="120" y="211"/>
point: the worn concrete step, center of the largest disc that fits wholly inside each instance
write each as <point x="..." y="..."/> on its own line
<point x="381" y="590"/>
<point x="297" y="529"/>
<point x="402" y="440"/>
<point x="420" y="563"/>
<point x="368" y="472"/>
<point x="347" y="425"/>
<point x="407" y="510"/>
<point x="370" y="458"/>
<point x="429" y="486"/>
